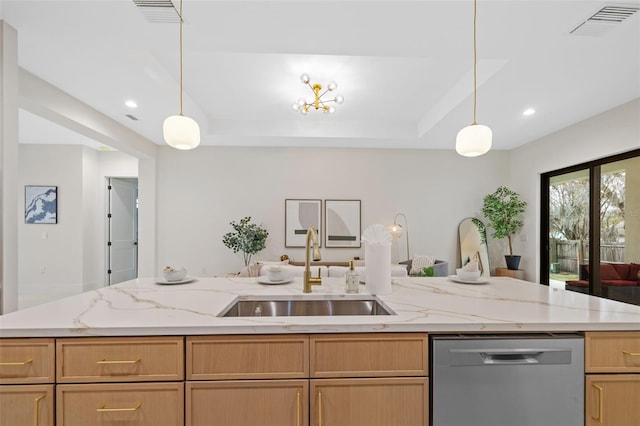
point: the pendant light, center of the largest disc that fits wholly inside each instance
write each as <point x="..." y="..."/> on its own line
<point x="180" y="131"/>
<point x="475" y="139"/>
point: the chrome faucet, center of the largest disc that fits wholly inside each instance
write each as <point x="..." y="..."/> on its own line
<point x="312" y="234"/>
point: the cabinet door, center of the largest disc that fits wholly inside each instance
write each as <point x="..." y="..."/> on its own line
<point x="370" y="402"/>
<point x="26" y="405"/>
<point x="131" y="404"/>
<point x="248" y="402"/>
<point x="612" y="400"/>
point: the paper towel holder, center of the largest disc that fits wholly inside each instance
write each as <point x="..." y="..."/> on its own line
<point x="396" y="230"/>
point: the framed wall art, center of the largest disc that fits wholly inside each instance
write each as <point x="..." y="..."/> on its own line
<point x="40" y="204"/>
<point x="299" y="215"/>
<point x="342" y="223"/>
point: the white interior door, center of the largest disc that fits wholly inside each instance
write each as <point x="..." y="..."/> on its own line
<point x="123" y="230"/>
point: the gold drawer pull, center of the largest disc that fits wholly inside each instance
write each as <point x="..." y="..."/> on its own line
<point x="102" y="409"/>
<point x="631" y="353"/>
<point x="105" y="362"/>
<point x="319" y="408"/>
<point x="36" y="409"/>
<point x="298" y="408"/>
<point x="29" y="361"/>
<point x="600" y="403"/>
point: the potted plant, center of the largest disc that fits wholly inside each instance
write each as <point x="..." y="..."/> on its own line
<point x="503" y="209"/>
<point x="247" y="237"/>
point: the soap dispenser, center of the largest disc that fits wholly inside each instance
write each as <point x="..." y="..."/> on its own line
<point x="351" y="279"/>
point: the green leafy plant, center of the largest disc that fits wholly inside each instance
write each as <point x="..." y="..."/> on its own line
<point x="503" y="209"/>
<point x="426" y="272"/>
<point x="247" y="237"/>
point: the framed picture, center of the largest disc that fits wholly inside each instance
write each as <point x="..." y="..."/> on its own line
<point x="40" y="204"/>
<point x="299" y="215"/>
<point x="342" y="223"/>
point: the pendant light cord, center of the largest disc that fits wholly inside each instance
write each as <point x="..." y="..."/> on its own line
<point x="475" y="89"/>
<point x="181" y="57"/>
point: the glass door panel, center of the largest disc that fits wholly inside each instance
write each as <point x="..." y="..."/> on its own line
<point x="620" y="230"/>
<point x="569" y="231"/>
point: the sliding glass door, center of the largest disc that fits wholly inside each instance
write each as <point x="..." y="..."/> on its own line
<point x="591" y="228"/>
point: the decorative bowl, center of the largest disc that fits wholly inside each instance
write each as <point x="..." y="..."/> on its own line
<point x="467" y="275"/>
<point x="171" y="273"/>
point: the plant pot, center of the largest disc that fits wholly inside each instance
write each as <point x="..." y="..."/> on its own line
<point x="513" y="262"/>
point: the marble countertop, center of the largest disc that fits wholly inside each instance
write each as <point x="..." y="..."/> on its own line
<point x="142" y="307"/>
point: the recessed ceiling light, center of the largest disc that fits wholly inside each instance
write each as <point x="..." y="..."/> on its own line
<point x="131" y="104"/>
<point x="529" y="111"/>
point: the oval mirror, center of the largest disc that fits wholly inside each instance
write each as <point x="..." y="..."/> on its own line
<point x="473" y="244"/>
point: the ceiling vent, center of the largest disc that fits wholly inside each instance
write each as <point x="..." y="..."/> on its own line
<point x="605" y="20"/>
<point x="158" y="11"/>
<point x="131" y="117"/>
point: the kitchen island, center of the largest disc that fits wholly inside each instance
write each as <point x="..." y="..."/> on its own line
<point x="144" y="353"/>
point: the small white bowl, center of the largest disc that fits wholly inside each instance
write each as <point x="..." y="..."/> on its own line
<point x="174" y="274"/>
<point x="467" y="275"/>
<point x="276" y="273"/>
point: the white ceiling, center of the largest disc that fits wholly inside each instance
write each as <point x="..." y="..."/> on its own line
<point x="404" y="68"/>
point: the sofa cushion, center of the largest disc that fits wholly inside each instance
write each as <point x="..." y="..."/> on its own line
<point x="620" y="283"/>
<point x="608" y="272"/>
<point x="623" y="269"/>
<point x="578" y="283"/>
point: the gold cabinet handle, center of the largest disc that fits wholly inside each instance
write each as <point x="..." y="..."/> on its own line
<point x="105" y="362"/>
<point x="29" y="361"/>
<point x="298" y="408"/>
<point x="600" y="403"/>
<point x="103" y="409"/>
<point x="631" y="353"/>
<point x="319" y="408"/>
<point x="36" y="409"/>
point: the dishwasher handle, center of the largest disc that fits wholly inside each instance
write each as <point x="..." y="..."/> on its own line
<point x="510" y="356"/>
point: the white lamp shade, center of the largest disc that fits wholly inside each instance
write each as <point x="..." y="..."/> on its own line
<point x="181" y="132"/>
<point x="474" y="140"/>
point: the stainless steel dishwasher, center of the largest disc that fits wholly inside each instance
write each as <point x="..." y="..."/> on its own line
<point x="507" y="380"/>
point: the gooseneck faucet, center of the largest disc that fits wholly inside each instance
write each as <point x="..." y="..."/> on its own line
<point x="312" y="234"/>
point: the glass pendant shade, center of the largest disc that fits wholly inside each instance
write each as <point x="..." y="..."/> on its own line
<point x="395" y="230"/>
<point x="474" y="140"/>
<point x="181" y="132"/>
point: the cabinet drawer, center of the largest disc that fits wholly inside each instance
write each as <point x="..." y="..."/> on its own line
<point x="369" y="355"/>
<point x="26" y="405"/>
<point x="139" y="404"/>
<point x="247" y="357"/>
<point x="105" y="359"/>
<point x="611" y="352"/>
<point x="27" y="361"/>
<point x="248" y="402"/>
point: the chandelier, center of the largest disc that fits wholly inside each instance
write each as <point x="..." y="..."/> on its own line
<point x="320" y="102"/>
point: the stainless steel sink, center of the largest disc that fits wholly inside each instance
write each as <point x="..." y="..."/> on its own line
<point x="299" y="307"/>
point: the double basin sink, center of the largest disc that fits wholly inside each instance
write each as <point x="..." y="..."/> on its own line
<point x="304" y="307"/>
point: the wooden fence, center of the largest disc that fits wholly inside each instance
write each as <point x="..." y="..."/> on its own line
<point x="570" y="254"/>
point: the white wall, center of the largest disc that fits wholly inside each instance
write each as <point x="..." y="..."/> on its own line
<point x="69" y="257"/>
<point x="199" y="192"/>
<point x="612" y="132"/>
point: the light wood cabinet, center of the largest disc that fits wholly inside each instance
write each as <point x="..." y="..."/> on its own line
<point x="108" y="359"/>
<point x="115" y="404"/>
<point x="27" y="361"/>
<point x="370" y="402"/>
<point x="27" y="374"/>
<point x="612" y="352"/>
<point x="612" y="399"/>
<point x="247" y="357"/>
<point x="369" y="355"/>
<point x="27" y="405"/>
<point x="248" y="402"/>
